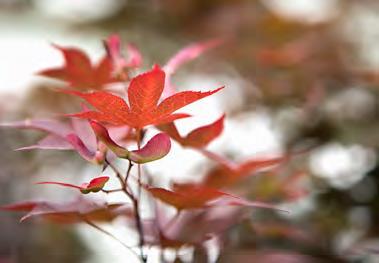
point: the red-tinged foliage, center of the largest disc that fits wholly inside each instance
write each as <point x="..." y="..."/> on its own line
<point x="134" y="59"/>
<point x="144" y="92"/>
<point x="151" y="100"/>
<point x="185" y="197"/>
<point x="182" y="57"/>
<point x="121" y="64"/>
<point x="190" y="196"/>
<point x="198" y="138"/>
<point x="103" y="135"/>
<point x="81" y="148"/>
<point x="189" y="53"/>
<point x="76" y="135"/>
<point x="95" y="185"/>
<point x="78" y="71"/>
<point x="156" y="148"/>
<point x="225" y="175"/>
<point x="224" y="199"/>
<point x="77" y="211"/>
<point x="21" y="206"/>
<point x="191" y="227"/>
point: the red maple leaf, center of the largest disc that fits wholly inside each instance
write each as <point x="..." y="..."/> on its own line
<point x="79" y="72"/>
<point x="144" y="93"/>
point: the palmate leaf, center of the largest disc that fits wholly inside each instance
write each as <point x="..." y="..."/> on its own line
<point x="95" y="185"/>
<point x="199" y="137"/>
<point x="144" y="92"/>
<point x="78" y="71"/>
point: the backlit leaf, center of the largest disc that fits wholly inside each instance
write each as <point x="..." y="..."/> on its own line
<point x="197" y="138"/>
<point x="143" y="93"/>
<point x="156" y="148"/>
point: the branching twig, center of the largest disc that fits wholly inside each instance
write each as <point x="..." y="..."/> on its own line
<point x="112" y="191"/>
<point x="135" y="202"/>
<point x="128" y="172"/>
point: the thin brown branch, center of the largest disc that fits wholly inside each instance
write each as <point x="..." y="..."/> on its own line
<point x="128" y="172"/>
<point x="112" y="191"/>
<point x="138" y="199"/>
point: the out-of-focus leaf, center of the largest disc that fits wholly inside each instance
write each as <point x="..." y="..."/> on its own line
<point x="50" y="142"/>
<point x="78" y="136"/>
<point x="122" y="64"/>
<point x="190" y="196"/>
<point x="80" y="147"/>
<point x="227" y="175"/>
<point x="77" y="211"/>
<point x="50" y="126"/>
<point x="185" y="198"/>
<point x="78" y="71"/>
<point x="182" y="57"/>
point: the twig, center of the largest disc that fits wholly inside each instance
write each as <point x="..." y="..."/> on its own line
<point x="128" y="172"/>
<point x="112" y="191"/>
<point x="136" y="201"/>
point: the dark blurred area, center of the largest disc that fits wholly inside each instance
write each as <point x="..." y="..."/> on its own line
<point x="300" y="76"/>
